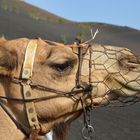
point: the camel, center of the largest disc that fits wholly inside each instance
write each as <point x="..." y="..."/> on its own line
<point x="114" y="75"/>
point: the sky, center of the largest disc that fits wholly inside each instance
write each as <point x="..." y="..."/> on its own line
<point x="118" y="12"/>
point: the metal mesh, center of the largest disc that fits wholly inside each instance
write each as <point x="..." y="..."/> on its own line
<point x="115" y="75"/>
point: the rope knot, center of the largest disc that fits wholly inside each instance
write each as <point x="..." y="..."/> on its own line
<point x="88" y="88"/>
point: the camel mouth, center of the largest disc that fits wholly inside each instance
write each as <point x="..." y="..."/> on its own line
<point x="130" y="88"/>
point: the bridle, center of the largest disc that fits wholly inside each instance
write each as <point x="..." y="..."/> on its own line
<point x="27" y="86"/>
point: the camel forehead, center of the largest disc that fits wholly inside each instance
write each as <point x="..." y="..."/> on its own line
<point x="62" y="50"/>
<point x="62" y="53"/>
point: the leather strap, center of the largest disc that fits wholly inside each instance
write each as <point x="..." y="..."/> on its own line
<point x="27" y="91"/>
<point x="29" y="59"/>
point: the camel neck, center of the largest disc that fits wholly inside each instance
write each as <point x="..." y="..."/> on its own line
<point x="8" y="129"/>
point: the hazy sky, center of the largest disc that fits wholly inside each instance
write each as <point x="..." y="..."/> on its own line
<point x="119" y="12"/>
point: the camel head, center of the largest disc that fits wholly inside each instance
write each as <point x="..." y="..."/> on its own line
<point x="114" y="73"/>
<point x="54" y="67"/>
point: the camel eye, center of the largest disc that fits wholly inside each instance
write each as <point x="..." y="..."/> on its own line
<point x="63" y="67"/>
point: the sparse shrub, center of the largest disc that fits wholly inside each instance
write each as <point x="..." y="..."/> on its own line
<point x="85" y="25"/>
<point x="61" y="20"/>
<point x="33" y="15"/>
<point x="63" y="39"/>
<point x="10" y="7"/>
<point x="50" y="19"/>
<point x="81" y="35"/>
<point x="16" y="8"/>
<point x="4" y="7"/>
<point x="84" y="31"/>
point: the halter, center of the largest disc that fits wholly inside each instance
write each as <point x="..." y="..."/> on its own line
<point x="26" y="89"/>
<point x="27" y="86"/>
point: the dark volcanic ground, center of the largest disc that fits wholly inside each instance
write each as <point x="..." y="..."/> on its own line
<point x="109" y="123"/>
<point x="112" y="124"/>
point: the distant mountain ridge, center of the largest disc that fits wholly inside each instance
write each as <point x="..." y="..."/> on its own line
<point x="23" y="8"/>
<point x="19" y="19"/>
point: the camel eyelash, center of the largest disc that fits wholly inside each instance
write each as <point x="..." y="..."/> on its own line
<point x="62" y="67"/>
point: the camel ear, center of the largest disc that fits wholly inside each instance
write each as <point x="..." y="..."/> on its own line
<point x="8" y="61"/>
